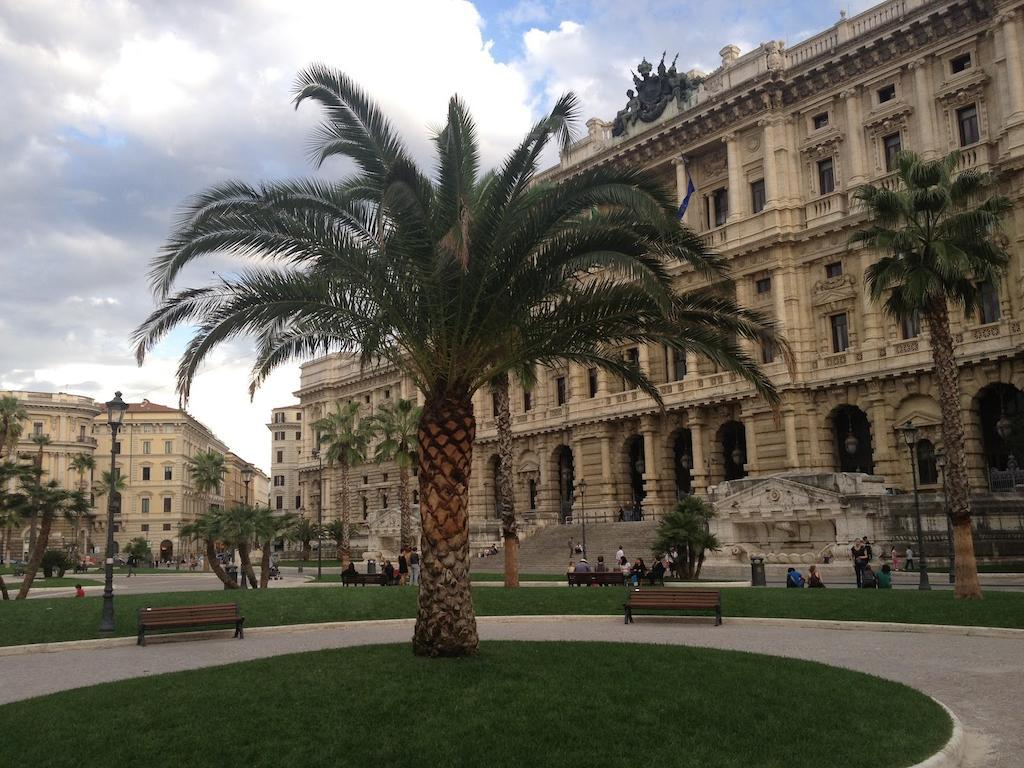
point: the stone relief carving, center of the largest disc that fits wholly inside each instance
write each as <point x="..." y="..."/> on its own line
<point x="773" y="55"/>
<point x="653" y="93"/>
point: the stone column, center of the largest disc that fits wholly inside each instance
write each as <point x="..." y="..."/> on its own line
<point x="689" y="217"/>
<point x="794" y="187"/>
<point x="644" y="358"/>
<point x="792" y="454"/>
<point x="750" y="437"/>
<point x="607" y="479"/>
<point x="732" y="148"/>
<point x="924" y="106"/>
<point x="699" y="470"/>
<point x="652" y="459"/>
<point x="1014" y="65"/>
<point x="855" y="136"/>
<point x="771" y="173"/>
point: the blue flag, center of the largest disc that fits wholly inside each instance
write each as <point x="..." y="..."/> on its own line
<point x="690" y="189"/>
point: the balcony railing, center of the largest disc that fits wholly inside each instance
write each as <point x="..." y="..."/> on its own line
<point x="86" y="440"/>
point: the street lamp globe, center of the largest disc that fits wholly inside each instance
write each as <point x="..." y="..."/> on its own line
<point x="247" y="473"/>
<point x="1004" y="427"/>
<point x="684" y="461"/>
<point x="736" y="456"/>
<point x="909" y="432"/>
<point x="115" y="411"/>
<point x="851" y="444"/>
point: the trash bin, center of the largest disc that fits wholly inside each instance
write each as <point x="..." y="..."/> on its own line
<point x="757" y="578"/>
<point x="371" y="566"/>
<point x="232" y="573"/>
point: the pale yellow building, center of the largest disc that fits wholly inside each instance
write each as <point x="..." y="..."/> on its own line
<point x="285" y="452"/>
<point x="775" y="141"/>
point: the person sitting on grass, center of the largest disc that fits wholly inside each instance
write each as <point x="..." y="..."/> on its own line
<point x="794" y="579"/>
<point x="814" y="578"/>
<point x="657" y="572"/>
<point x="884" y="577"/>
<point x="389" y="573"/>
<point x="868" y="580"/>
<point x="79" y="592"/>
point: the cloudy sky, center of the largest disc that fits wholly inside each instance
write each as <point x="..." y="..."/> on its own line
<point x="114" y="111"/>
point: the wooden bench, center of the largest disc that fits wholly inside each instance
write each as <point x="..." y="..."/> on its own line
<point x="674" y="600"/>
<point x="186" y="616"/>
<point x="361" y="578"/>
<point x="588" y="578"/>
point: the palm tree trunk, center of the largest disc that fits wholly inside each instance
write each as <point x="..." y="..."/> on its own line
<point x="307" y="551"/>
<point x="32" y="568"/>
<point x="246" y="563"/>
<point x="3" y="588"/>
<point x="445" y="620"/>
<point x="265" y="564"/>
<point x="345" y="550"/>
<point x="506" y="490"/>
<point x="957" y="484"/>
<point x="215" y="566"/>
<point x="405" y="509"/>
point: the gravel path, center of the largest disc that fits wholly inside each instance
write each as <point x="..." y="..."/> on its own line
<point x="980" y="678"/>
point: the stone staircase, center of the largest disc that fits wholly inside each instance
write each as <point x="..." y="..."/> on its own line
<point x="547" y="550"/>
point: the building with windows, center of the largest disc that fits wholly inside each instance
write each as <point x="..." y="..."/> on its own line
<point x="774" y="142"/>
<point x="285" y="451"/>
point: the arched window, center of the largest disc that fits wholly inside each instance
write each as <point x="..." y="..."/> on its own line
<point x="927" y="470"/>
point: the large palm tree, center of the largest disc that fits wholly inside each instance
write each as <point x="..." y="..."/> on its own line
<point x="345" y="439"/>
<point x="41" y="441"/>
<point x="938" y="233"/>
<point x="12" y="416"/>
<point x="238" y="527"/>
<point x="398" y="425"/>
<point x="452" y="275"/>
<point x="13" y="507"/>
<point x="81" y="463"/>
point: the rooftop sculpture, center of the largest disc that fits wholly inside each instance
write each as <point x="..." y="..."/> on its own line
<point x="653" y="93"/>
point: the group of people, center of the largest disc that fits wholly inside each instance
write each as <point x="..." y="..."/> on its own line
<point x="406" y="572"/>
<point x="867" y="578"/>
<point x="636" y="571"/>
<point x="796" y="580"/>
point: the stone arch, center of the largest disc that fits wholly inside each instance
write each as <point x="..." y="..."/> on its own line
<point x="731" y="438"/>
<point x="852" y="446"/>
<point x="563" y="471"/>
<point x="1000" y="408"/>
<point x="636" y="465"/>
<point x="681" y="441"/>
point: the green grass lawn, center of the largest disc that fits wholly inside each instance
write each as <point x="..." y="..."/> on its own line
<point x="36" y="621"/>
<point x="515" y="705"/>
<point x="67" y="582"/>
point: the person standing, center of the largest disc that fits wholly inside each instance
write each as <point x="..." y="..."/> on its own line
<point x="857" y="553"/>
<point x="403" y="568"/>
<point x="895" y="559"/>
<point x="619" y="553"/>
<point x="910" y="559"/>
<point x="414" y="568"/>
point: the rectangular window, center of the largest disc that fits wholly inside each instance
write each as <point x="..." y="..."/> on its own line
<point x="892" y="145"/>
<point x="757" y="196"/>
<point x="988" y="301"/>
<point x="960" y="63"/>
<point x="167" y="505"/>
<point x="145" y="528"/>
<point x="298" y="435"/>
<point x="592" y="381"/>
<point x="298" y="502"/>
<point x="677" y="364"/>
<point x="967" y="121"/>
<point x="840" y="333"/>
<point x="720" y="203"/>
<point x="298" y="416"/>
<point x="145" y="505"/>
<point x="387" y="394"/>
<point x="366" y="399"/>
<point x="763" y="285"/>
<point x="280" y="457"/>
<point x="820" y="120"/>
<point x="911" y="326"/>
<point x="81" y="434"/>
<point x="168" y="446"/>
<point x="168" y="473"/>
<point x="279" y="503"/>
<point x="527" y="401"/>
<point x="147" y="447"/>
<point x="167" y="526"/>
<point x="826" y="177"/>
<point x="835" y="269"/>
<point x="887" y="93"/>
<point x="145" y="473"/>
<point x="37" y="428"/>
<point x="279" y="435"/>
<point x="767" y="353"/>
<point x="117" y="446"/>
<point x="560" y="393"/>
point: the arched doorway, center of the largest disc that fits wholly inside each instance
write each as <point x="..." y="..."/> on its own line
<point x="566" y="480"/>
<point x="1001" y="407"/>
<point x="732" y="437"/>
<point x="852" y="440"/>
<point x="637" y="467"/>
<point x="166" y="551"/>
<point x="682" y="460"/>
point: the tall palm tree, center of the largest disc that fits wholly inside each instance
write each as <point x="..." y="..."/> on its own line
<point x="82" y="463"/>
<point x="41" y="441"/>
<point x="13" y="510"/>
<point x="454" y="276"/>
<point x="938" y="233"/>
<point x="398" y="425"/>
<point x="46" y="501"/>
<point x="207" y="470"/>
<point x="345" y="438"/>
<point x="205" y="530"/>
<point x="12" y="416"/>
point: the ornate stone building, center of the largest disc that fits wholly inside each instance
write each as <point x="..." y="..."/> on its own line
<point x="775" y="141"/>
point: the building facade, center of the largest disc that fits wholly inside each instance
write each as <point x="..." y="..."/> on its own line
<point x="775" y="141"/>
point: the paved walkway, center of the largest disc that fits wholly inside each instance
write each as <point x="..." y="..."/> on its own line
<point x="980" y="678"/>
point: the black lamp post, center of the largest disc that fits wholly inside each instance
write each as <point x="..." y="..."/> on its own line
<point x="940" y="462"/>
<point x="115" y="418"/>
<point x="909" y="432"/>
<point x="581" y="486"/>
<point x="319" y="515"/>
<point x="246" y="478"/>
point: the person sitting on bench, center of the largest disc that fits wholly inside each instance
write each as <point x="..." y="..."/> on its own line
<point x="350" y="570"/>
<point x="657" y="572"/>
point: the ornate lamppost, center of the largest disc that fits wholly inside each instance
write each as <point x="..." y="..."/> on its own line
<point x="116" y="409"/>
<point x="940" y="462"/>
<point x="581" y="486"/>
<point x="909" y="432"/>
<point x="319" y="515"/>
<point x="851" y="443"/>
<point x="246" y="479"/>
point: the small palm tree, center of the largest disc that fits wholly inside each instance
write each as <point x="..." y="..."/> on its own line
<point x="685" y="530"/>
<point x="398" y="425"/>
<point x="304" y="531"/>
<point x="81" y="463"/>
<point x="345" y="439"/>
<point x="205" y="530"/>
<point x="140" y="548"/>
<point x="12" y="418"/>
<point x="938" y="236"/>
<point x="454" y="276"/>
<point x="269" y="528"/>
<point x="45" y="502"/>
<point x="12" y="506"/>
<point x="238" y="528"/>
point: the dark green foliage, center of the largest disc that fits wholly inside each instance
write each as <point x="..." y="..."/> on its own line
<point x="685" y="529"/>
<point x="55" y="560"/>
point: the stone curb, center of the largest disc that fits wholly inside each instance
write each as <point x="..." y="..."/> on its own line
<point x="868" y="626"/>
<point x="952" y="755"/>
